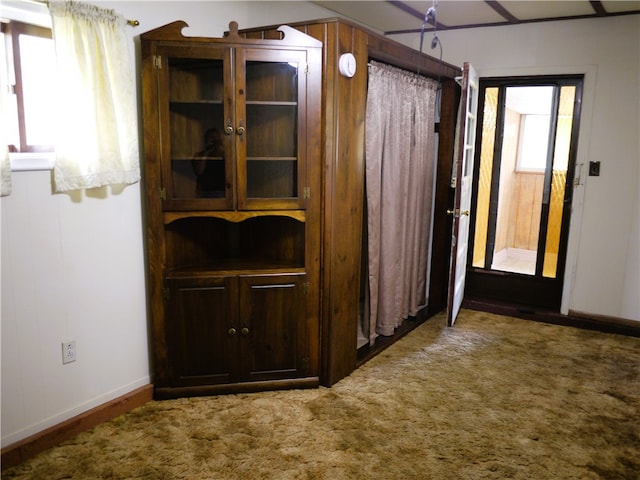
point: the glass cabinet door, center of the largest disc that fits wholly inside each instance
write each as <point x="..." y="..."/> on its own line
<point x="270" y="91"/>
<point x="198" y="156"/>
<point x="233" y="130"/>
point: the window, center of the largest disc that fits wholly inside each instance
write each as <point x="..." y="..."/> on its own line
<point x="528" y="110"/>
<point x="534" y="143"/>
<point x="28" y="72"/>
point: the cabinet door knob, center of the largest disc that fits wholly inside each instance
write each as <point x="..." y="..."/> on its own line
<point x="229" y="128"/>
<point x="244" y="331"/>
<point x="240" y="130"/>
<point x="232" y="332"/>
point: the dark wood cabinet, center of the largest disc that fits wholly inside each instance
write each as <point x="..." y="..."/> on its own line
<point x="237" y="328"/>
<point x="202" y="313"/>
<point x="271" y="319"/>
<point x="232" y="179"/>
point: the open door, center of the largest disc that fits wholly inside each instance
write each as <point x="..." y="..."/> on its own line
<point x="462" y="181"/>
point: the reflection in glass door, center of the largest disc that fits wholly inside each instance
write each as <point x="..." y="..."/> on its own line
<point x="526" y="154"/>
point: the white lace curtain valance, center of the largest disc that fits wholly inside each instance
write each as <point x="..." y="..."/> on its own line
<point x="97" y="131"/>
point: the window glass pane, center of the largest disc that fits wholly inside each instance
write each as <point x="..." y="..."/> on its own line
<point x="37" y="59"/>
<point x="272" y="129"/>
<point x="534" y="142"/>
<point x="530" y="109"/>
<point x="197" y="123"/>
<point x="559" y="180"/>
<point x="484" y="182"/>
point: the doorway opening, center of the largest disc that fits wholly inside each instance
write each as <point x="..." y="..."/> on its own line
<point x="525" y="163"/>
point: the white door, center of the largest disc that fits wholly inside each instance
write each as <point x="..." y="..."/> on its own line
<point x="462" y="179"/>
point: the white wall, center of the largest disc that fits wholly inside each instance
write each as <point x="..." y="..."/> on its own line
<point x="603" y="276"/>
<point x="72" y="269"/>
<point x="73" y="265"/>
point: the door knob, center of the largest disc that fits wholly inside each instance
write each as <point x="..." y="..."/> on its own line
<point x="232" y="332"/>
<point x="458" y="212"/>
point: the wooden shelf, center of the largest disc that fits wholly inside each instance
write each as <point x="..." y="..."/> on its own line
<point x="272" y="159"/>
<point x="196" y="102"/>
<point x="185" y="158"/>
<point x="271" y="103"/>
<point x="235" y="215"/>
<point x="234" y="266"/>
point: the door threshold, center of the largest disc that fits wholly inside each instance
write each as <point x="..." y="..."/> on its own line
<point x="527" y="312"/>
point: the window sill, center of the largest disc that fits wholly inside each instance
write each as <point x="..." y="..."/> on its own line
<point x="30" y="162"/>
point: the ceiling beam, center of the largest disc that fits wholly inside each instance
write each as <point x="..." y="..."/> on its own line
<point x="598" y="8"/>
<point x="416" y="13"/>
<point x="502" y="11"/>
<point x="510" y="19"/>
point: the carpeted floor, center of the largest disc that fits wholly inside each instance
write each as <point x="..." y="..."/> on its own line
<point x="491" y="398"/>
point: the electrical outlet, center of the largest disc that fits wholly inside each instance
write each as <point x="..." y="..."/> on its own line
<point x="594" y="169"/>
<point x="69" y="351"/>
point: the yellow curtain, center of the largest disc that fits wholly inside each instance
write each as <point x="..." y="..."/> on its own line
<point x="97" y="131"/>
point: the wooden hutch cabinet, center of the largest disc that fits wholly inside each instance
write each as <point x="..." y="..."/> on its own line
<point x="232" y="179"/>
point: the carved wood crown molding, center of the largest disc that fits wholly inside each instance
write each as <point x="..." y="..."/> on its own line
<point x="172" y="32"/>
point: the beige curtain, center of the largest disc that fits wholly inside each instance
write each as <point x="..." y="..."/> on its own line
<point x="97" y="138"/>
<point x="399" y="182"/>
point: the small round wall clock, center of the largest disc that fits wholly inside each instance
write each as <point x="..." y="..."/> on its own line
<point x="347" y="64"/>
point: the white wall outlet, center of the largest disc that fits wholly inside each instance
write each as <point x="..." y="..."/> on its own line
<point x="69" y="351"/>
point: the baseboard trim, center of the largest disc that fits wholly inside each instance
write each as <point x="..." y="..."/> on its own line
<point x="20" y="451"/>
<point x="616" y="322"/>
<point x="576" y="319"/>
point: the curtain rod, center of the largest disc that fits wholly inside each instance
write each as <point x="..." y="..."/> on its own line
<point x="133" y="23"/>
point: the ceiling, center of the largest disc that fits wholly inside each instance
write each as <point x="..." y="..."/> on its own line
<point x="394" y="17"/>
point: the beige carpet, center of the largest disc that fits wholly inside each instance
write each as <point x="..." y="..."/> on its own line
<point x="491" y="398"/>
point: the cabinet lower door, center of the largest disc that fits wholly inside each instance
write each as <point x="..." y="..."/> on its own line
<point x="202" y="337"/>
<point x="274" y="343"/>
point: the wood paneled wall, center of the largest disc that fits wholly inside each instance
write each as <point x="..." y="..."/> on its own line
<point x="524" y="210"/>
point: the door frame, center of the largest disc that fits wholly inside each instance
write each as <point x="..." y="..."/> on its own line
<point x="580" y="180"/>
<point x="486" y="283"/>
